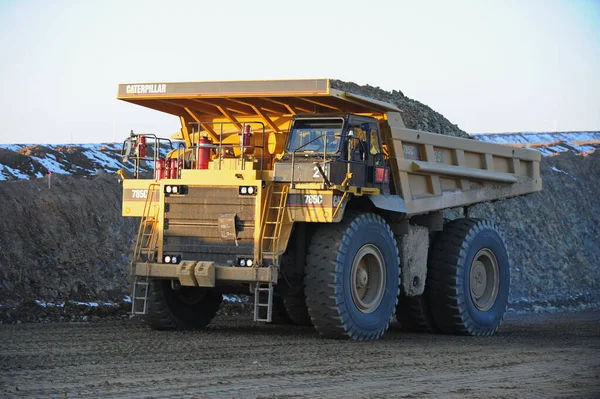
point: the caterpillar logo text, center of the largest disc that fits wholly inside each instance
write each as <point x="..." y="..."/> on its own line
<point x="146" y="89"/>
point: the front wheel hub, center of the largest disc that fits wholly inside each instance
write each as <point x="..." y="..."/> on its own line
<point x="368" y="278"/>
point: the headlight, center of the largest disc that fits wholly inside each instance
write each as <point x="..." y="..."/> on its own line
<point x="245" y="262"/>
<point x="172" y="259"/>
<point x="179" y="189"/>
<point x="248" y="190"/>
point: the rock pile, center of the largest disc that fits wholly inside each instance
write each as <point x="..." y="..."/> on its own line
<point x="415" y="114"/>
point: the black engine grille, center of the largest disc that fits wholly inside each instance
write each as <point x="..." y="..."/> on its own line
<point x="192" y="229"/>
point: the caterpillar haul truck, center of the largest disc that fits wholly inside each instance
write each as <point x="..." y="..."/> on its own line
<point x="319" y="202"/>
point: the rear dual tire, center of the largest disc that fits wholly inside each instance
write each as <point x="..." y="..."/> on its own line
<point x="468" y="278"/>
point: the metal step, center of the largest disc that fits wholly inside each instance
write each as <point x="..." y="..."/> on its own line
<point x="260" y="305"/>
<point x="140" y="294"/>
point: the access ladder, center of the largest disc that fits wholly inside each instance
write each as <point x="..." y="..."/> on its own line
<point x="145" y="249"/>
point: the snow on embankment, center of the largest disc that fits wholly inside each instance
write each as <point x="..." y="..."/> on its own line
<point x="22" y="161"/>
<point x="546" y="143"/>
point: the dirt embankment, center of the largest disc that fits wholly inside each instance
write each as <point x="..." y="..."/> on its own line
<point x="67" y="242"/>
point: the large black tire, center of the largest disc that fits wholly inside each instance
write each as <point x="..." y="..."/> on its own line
<point x="353" y="278"/>
<point x="294" y="301"/>
<point x="186" y="308"/>
<point x="291" y="290"/>
<point x="279" y="314"/>
<point x="414" y="315"/>
<point x="468" y="278"/>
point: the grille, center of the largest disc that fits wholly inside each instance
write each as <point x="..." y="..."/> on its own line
<point x="192" y="229"/>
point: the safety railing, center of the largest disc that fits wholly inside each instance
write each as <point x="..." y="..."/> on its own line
<point x="221" y="148"/>
<point x="135" y="148"/>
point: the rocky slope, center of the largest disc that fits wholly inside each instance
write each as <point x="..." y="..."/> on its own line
<point x="64" y="242"/>
<point x="415" y="114"/>
<point x="553" y="236"/>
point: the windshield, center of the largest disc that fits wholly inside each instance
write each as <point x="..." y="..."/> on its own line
<point x="316" y="135"/>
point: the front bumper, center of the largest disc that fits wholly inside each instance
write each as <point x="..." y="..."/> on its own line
<point x="205" y="274"/>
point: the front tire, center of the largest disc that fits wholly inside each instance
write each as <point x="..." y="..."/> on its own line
<point x="469" y="278"/>
<point x="185" y="308"/>
<point x="353" y="278"/>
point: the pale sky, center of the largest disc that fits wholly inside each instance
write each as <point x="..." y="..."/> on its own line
<point x="488" y="66"/>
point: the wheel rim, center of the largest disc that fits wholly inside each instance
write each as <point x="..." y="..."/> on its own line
<point x="485" y="279"/>
<point x="368" y="278"/>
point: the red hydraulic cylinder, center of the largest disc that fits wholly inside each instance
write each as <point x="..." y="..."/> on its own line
<point x="204" y="147"/>
<point x="142" y="147"/>
<point x="159" y="169"/>
<point x="174" y="171"/>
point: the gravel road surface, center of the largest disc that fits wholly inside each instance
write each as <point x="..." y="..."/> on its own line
<point x="541" y="355"/>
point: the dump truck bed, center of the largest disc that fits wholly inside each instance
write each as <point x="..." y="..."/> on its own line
<point x="430" y="171"/>
<point x="435" y="171"/>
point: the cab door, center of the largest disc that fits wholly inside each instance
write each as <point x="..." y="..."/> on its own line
<point x="378" y="171"/>
<point x="356" y="152"/>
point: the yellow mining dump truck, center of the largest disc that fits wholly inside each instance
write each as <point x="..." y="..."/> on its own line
<point x="319" y="202"/>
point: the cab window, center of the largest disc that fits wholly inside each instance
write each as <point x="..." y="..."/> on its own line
<point x="375" y="144"/>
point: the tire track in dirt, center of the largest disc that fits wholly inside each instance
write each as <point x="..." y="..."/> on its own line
<point x="532" y="356"/>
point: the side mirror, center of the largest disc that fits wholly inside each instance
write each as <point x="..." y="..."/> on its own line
<point x="127" y="149"/>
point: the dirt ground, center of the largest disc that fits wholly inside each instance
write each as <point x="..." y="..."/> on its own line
<point x="542" y="355"/>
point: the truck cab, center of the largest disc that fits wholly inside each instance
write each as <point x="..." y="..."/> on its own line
<point x="334" y="150"/>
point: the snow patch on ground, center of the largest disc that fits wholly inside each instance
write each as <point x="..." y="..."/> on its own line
<point x="7" y="172"/>
<point x="51" y="164"/>
<point x="126" y="299"/>
<point x="45" y="304"/>
<point x="562" y="171"/>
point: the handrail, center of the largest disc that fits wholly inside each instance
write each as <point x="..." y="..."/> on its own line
<point x="137" y="159"/>
<point x="263" y="218"/>
<point x="152" y="188"/>
<point x="243" y="148"/>
<point x="180" y="157"/>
